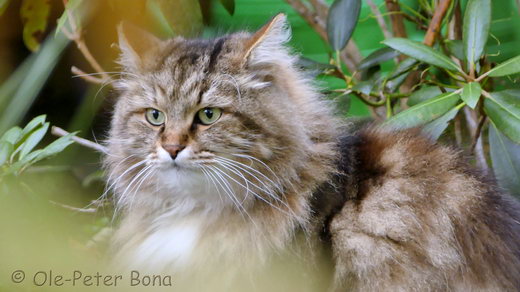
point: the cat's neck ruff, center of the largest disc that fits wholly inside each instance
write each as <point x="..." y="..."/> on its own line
<point x="199" y="227"/>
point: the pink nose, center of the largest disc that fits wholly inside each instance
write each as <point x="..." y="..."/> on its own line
<point x="174" y="150"/>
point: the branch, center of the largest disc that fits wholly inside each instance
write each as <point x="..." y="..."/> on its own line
<point x="317" y="20"/>
<point x="479" y="148"/>
<point x="87" y="77"/>
<point x="57" y="131"/>
<point x="394" y="10"/>
<point x="478" y="132"/>
<point x="77" y="36"/>
<point x="435" y="25"/>
<point x="380" y="19"/>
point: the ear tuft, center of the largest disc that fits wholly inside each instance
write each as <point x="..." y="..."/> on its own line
<point x="269" y="39"/>
<point x="134" y="44"/>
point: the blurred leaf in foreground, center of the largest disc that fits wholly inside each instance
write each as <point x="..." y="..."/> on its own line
<point x="34" y="14"/>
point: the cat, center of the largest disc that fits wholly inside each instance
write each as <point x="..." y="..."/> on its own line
<point x="223" y="154"/>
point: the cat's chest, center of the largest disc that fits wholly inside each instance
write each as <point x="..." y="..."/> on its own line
<point x="170" y="246"/>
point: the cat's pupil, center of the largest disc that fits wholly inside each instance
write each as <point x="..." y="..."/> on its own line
<point x="155" y="114"/>
<point x="209" y="113"/>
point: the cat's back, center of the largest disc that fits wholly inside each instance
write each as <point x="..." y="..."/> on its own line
<point x="423" y="219"/>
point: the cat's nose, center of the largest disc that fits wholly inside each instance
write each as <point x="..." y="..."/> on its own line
<point x="173" y="149"/>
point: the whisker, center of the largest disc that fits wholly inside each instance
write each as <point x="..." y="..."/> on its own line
<point x="257" y="195"/>
<point x="253" y="169"/>
<point x="206" y="175"/>
<point x="218" y="172"/>
<point x="267" y="188"/>
<point x="151" y="170"/>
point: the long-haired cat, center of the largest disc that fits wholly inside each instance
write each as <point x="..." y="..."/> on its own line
<point x="223" y="156"/>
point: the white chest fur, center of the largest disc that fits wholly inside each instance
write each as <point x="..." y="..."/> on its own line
<point x="169" y="247"/>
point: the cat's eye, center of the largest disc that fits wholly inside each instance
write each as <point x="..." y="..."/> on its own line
<point x="155" y="117"/>
<point x="209" y="115"/>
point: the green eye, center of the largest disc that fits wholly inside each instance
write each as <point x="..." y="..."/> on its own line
<point x="154" y="116"/>
<point x="209" y="115"/>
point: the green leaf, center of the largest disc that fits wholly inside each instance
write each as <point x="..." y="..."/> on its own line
<point x="425" y="93"/>
<point x="471" y="94"/>
<point x="456" y="48"/>
<point x="229" y="5"/>
<point x="33" y="124"/>
<point x="504" y="111"/>
<point x="377" y="57"/>
<point x="33" y="140"/>
<point x="509" y="67"/>
<point x="28" y="87"/>
<point x="505" y="156"/>
<point x="71" y="6"/>
<point x="421" y="53"/>
<point x="402" y="68"/>
<point x="57" y="146"/>
<point x="27" y="161"/>
<point x="424" y="112"/>
<point x="54" y="148"/>
<point x="311" y="65"/>
<point x="477" y="20"/>
<point x="34" y="14"/>
<point x="3" y="6"/>
<point x="6" y="149"/>
<point x="341" y="21"/>
<point x="182" y="17"/>
<point x="435" y="128"/>
<point x="12" y="136"/>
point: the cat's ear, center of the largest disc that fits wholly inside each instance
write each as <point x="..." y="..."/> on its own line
<point x="268" y="42"/>
<point x="134" y="44"/>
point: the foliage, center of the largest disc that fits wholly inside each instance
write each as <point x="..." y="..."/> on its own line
<point x="17" y="145"/>
<point x="449" y="77"/>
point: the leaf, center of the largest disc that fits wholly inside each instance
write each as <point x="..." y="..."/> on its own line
<point x="425" y="93"/>
<point x="54" y="148"/>
<point x="6" y="149"/>
<point x="34" y="76"/>
<point x="311" y="65"/>
<point x="424" y="112"/>
<point x="435" y="128"/>
<point x="505" y="156"/>
<point x="34" y="14"/>
<point x="182" y="17"/>
<point x="471" y="94"/>
<point x="341" y="21"/>
<point x="3" y="6"/>
<point x="57" y="146"/>
<point x="509" y="67"/>
<point x="69" y="8"/>
<point x="421" y="53"/>
<point x="377" y="57"/>
<point x="33" y="140"/>
<point x="456" y="48"/>
<point x="477" y="20"/>
<point x="504" y="111"/>
<point x="229" y="5"/>
<point x="402" y="68"/>
<point x="34" y="123"/>
<point x="12" y="135"/>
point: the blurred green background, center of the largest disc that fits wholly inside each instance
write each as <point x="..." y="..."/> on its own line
<point x="36" y="230"/>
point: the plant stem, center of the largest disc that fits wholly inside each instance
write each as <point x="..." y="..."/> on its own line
<point x="350" y="55"/>
<point x="77" y="36"/>
<point x="57" y="131"/>
<point x="436" y="22"/>
<point x="478" y="132"/>
<point x="380" y="19"/>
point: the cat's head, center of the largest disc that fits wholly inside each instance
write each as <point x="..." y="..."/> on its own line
<point x="227" y="121"/>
